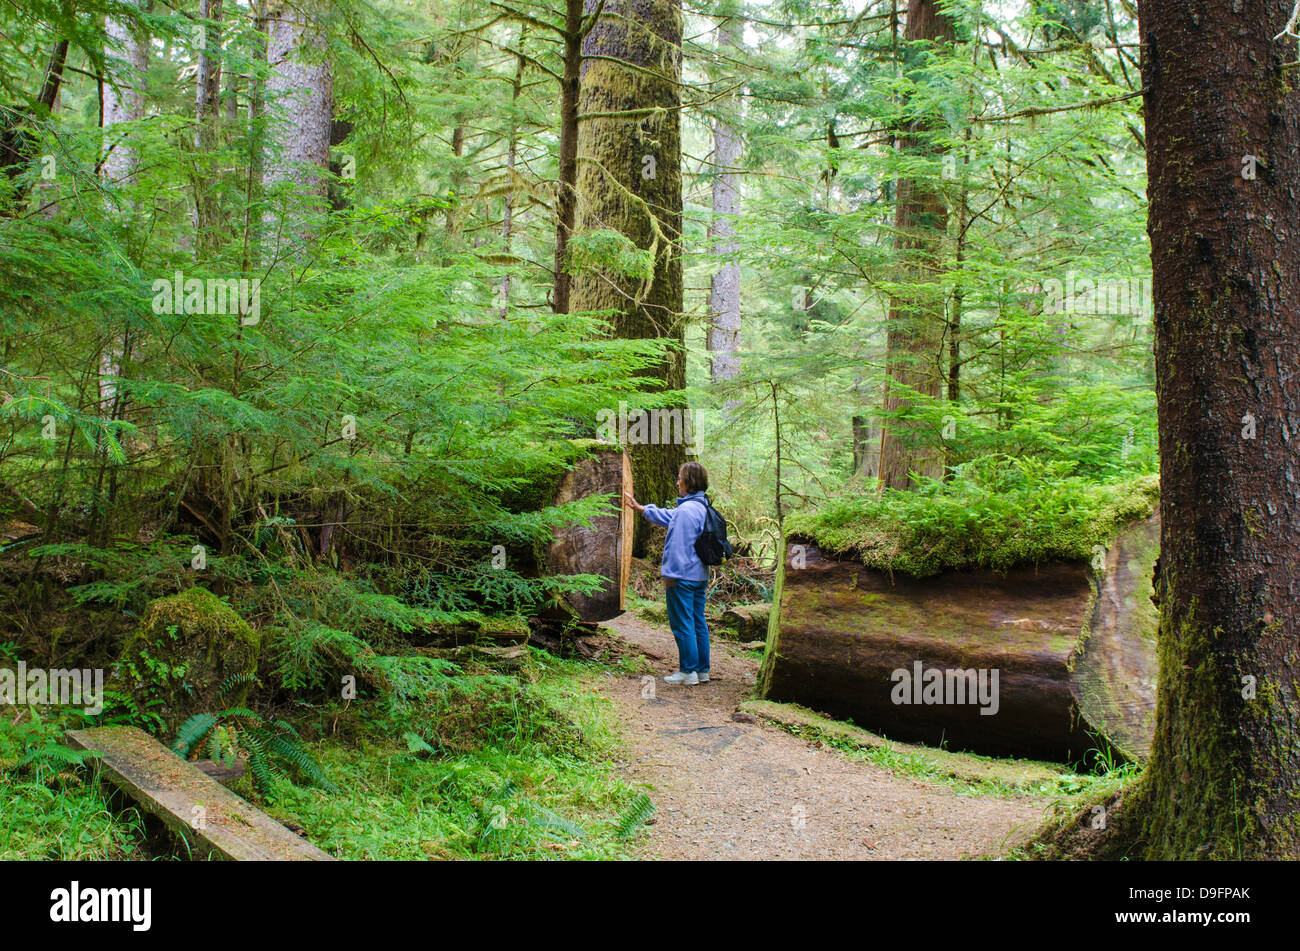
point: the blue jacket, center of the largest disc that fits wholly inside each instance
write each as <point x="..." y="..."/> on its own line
<point x="685" y="523"/>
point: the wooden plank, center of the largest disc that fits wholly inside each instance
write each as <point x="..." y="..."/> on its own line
<point x="627" y="523"/>
<point x="191" y="804"/>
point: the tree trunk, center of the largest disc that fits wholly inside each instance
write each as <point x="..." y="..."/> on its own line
<point x="724" y="288"/>
<point x="1075" y="657"/>
<point x="512" y="152"/>
<point x="916" y="321"/>
<point x="566" y="192"/>
<point x="123" y="99"/>
<point x="301" y="89"/>
<point x="629" y="179"/>
<point x="207" y="108"/>
<point x="1224" y="777"/>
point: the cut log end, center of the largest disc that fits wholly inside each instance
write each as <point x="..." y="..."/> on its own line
<point x="603" y="549"/>
<point x="1044" y="662"/>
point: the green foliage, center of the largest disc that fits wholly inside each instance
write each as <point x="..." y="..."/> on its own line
<point x="508" y="794"/>
<point x="54" y="803"/>
<point x="271" y="748"/>
<point x="635" y="816"/>
<point x="992" y="514"/>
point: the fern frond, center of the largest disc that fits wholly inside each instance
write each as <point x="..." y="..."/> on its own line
<point x="235" y="681"/>
<point x="192" y="732"/>
<point x="634" y="817"/>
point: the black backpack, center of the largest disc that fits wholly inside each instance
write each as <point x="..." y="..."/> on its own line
<point x="712" y="545"/>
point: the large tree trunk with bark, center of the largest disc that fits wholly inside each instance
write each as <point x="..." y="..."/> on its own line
<point x="724" y="287"/>
<point x="1224" y="776"/>
<point x="566" y="192"/>
<point x="301" y="90"/>
<point x="916" y="323"/>
<point x="126" y="59"/>
<point x="1073" y="650"/>
<point x="629" y="180"/>
<point x="207" y="108"/>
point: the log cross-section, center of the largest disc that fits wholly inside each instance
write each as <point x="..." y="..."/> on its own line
<point x="190" y="803"/>
<point x="604" y="548"/>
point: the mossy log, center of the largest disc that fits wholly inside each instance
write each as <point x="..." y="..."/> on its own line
<point x="1072" y="648"/>
<point x="605" y="548"/>
<point x="747" y="621"/>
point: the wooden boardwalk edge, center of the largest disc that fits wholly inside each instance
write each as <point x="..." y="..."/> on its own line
<point x="191" y="803"/>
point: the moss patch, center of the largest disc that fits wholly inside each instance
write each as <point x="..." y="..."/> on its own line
<point x="966" y="770"/>
<point x="977" y="522"/>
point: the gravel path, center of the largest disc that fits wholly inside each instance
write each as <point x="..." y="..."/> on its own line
<point x="739" y="790"/>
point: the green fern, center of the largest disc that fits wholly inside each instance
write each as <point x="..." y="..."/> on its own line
<point x="234" y="682"/>
<point x="269" y="746"/>
<point x="192" y="732"/>
<point x="635" y="816"/>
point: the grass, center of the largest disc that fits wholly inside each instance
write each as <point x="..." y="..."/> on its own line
<point x="510" y="770"/>
<point x="49" y="809"/>
<point x="545" y="796"/>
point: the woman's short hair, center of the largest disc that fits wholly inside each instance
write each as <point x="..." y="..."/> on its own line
<point x="694" y="476"/>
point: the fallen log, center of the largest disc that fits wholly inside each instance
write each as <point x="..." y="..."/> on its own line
<point x="746" y="622"/>
<point x="1048" y="662"/>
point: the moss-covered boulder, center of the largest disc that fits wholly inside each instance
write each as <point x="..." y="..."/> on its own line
<point x="192" y="653"/>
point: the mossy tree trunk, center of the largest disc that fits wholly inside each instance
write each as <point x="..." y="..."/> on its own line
<point x="1224" y="777"/>
<point x="629" y="180"/>
<point x="916" y="323"/>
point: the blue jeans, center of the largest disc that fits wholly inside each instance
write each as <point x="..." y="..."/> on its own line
<point x="686" y="618"/>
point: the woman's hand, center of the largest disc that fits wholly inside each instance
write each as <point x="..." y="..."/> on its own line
<point x="627" y="497"/>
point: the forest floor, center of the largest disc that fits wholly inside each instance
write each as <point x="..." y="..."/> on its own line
<point x="744" y="788"/>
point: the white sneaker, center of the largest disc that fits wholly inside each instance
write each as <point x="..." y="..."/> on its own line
<point x="704" y="676"/>
<point x="685" y="679"/>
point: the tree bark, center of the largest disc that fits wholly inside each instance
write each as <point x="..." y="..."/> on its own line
<point x="724" y="287"/>
<point x="207" y="108"/>
<point x="916" y="321"/>
<point x="1224" y="777"/>
<point x="566" y="192"/>
<point x="123" y="99"/>
<point x="629" y="179"/>
<point x="301" y="89"/>
<point x="605" y="548"/>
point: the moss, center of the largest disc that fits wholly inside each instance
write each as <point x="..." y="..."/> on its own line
<point x="976" y="524"/>
<point x="187" y="647"/>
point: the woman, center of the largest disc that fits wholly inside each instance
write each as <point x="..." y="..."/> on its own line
<point x="686" y="578"/>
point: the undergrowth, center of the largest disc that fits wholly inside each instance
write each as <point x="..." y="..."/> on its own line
<point x="50" y="807"/>
<point x="532" y="780"/>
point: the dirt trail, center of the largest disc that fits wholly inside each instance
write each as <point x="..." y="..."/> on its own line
<point x="737" y="790"/>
